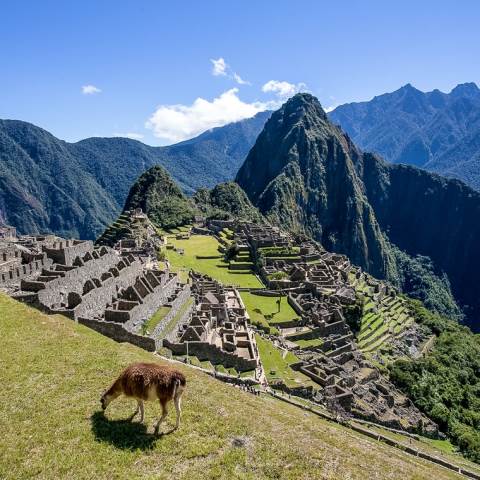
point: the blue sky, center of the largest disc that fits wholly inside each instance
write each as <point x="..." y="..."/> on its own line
<point x="151" y="60"/>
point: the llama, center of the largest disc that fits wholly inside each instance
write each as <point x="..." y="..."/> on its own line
<point x="148" y="381"/>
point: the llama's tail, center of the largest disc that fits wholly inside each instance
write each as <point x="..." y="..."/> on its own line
<point x="176" y="384"/>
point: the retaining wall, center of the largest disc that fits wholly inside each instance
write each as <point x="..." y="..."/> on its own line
<point x="207" y="351"/>
<point x="116" y="332"/>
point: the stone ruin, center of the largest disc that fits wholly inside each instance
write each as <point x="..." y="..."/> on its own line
<point x="318" y="289"/>
<point x="217" y="328"/>
<point x="114" y="291"/>
<point x="132" y="232"/>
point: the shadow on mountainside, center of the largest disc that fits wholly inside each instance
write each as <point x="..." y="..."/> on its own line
<point x="123" y="433"/>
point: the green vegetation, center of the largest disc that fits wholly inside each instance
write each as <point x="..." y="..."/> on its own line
<point x="264" y="311"/>
<point x="417" y="276"/>
<point x="276" y="364"/>
<point x="226" y="201"/>
<point x="442" y="448"/>
<point x="445" y="383"/>
<point x="155" y="319"/>
<point x="207" y="246"/>
<point x="120" y="228"/>
<point x="174" y="320"/>
<point x="312" y="342"/>
<point x="55" y="370"/>
<point x="281" y="275"/>
<point x="161" y="199"/>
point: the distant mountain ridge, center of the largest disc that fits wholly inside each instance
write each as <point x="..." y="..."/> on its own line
<point x="305" y="174"/>
<point x="77" y="189"/>
<point x="437" y="131"/>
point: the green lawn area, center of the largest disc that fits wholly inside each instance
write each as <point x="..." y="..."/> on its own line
<point x="52" y="427"/>
<point x="277" y="367"/>
<point x="313" y="342"/>
<point x="155" y="319"/>
<point x="258" y="307"/>
<point x="207" y="245"/>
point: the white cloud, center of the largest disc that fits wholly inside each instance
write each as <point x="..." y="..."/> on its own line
<point x="222" y="68"/>
<point x="175" y="123"/>
<point x="240" y="80"/>
<point x="132" y="135"/>
<point x="90" y="89"/>
<point x="219" y="67"/>
<point x="331" y="108"/>
<point x="283" y="89"/>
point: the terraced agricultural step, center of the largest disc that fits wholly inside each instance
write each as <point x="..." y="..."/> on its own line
<point x="373" y="346"/>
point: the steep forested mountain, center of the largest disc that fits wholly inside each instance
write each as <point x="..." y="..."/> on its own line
<point x="77" y="189"/>
<point x="226" y="201"/>
<point x="433" y="130"/>
<point x="307" y="175"/>
<point x="45" y="188"/>
<point x="160" y="198"/>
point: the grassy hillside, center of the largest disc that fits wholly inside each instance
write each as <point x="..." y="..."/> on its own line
<point x="54" y="372"/>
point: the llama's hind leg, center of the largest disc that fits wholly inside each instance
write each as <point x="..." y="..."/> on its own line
<point x="178" y="407"/>
<point x="163" y="404"/>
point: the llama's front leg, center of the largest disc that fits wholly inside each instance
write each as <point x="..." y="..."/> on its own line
<point x="138" y="409"/>
<point x="178" y="408"/>
<point x="164" y="414"/>
<point x="142" y="410"/>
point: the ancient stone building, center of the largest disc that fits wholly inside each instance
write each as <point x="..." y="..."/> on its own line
<point x="217" y="329"/>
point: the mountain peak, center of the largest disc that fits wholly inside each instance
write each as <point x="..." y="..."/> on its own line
<point x="305" y="102"/>
<point x="467" y="89"/>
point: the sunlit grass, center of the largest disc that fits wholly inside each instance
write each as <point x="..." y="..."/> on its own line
<point x="217" y="268"/>
<point x="54" y="371"/>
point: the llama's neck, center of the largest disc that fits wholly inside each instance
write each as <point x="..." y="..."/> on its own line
<point x="115" y="390"/>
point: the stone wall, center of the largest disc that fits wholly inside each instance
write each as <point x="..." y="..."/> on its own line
<point x="118" y="333"/>
<point x="65" y="252"/>
<point x="68" y="292"/>
<point x="175" y="305"/>
<point x="207" y="351"/>
<point x="22" y="271"/>
<point x="144" y="308"/>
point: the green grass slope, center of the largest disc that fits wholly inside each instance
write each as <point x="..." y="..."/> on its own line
<point x="53" y="372"/>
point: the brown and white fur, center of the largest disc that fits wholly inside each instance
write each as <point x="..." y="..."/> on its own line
<point x="148" y="381"/>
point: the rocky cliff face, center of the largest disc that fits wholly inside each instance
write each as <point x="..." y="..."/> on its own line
<point x="306" y="174"/>
<point x="429" y="215"/>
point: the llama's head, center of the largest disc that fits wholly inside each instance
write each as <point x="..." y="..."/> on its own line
<point x="105" y="399"/>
